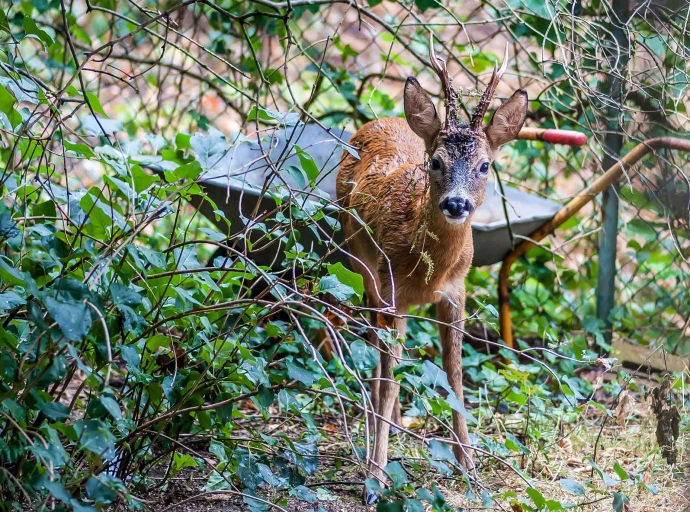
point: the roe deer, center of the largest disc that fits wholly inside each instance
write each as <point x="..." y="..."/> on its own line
<point x="419" y="209"/>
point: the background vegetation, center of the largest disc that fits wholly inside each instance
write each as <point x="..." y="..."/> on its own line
<point x="127" y="365"/>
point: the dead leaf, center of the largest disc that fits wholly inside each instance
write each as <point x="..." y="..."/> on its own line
<point x="409" y="422"/>
<point x="169" y="363"/>
<point x="626" y="404"/>
<point x="566" y="445"/>
<point x="248" y="404"/>
<point x="647" y="476"/>
<point x="606" y="362"/>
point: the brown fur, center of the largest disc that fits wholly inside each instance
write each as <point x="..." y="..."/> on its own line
<point x="393" y="191"/>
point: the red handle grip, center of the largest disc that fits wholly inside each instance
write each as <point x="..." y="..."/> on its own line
<point x="568" y="137"/>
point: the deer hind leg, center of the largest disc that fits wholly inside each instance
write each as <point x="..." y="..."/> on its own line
<point x="396" y="419"/>
<point x="373" y="302"/>
<point x="375" y="376"/>
<point x="451" y="346"/>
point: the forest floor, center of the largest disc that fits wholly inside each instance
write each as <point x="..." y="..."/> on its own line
<point x="631" y="447"/>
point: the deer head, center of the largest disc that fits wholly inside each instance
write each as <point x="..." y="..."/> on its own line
<point x="460" y="155"/>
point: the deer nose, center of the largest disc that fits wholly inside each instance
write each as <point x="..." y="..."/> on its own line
<point x="456" y="207"/>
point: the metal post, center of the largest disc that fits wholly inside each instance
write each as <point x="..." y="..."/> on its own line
<point x="606" y="279"/>
<point x="613" y="143"/>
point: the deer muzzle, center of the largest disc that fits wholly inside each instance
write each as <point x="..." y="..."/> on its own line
<point x="456" y="209"/>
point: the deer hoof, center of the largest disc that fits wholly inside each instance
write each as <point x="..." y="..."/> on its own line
<point x="370" y="497"/>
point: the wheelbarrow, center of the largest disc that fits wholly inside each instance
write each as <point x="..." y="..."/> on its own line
<point x="235" y="184"/>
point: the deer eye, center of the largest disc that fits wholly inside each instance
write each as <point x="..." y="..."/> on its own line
<point x="484" y="168"/>
<point x="435" y="164"/>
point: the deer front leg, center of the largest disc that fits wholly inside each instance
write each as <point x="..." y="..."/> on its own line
<point x="389" y="390"/>
<point x="450" y="318"/>
<point x="396" y="418"/>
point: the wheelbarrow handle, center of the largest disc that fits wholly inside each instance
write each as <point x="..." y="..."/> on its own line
<point x="553" y="136"/>
<point x="565" y="213"/>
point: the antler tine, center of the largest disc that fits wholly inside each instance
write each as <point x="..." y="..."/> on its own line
<point x="433" y="58"/>
<point x="485" y="100"/>
<point x="439" y="66"/>
<point x="504" y="66"/>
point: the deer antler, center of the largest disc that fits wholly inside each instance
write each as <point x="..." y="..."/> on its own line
<point x="485" y="101"/>
<point x="439" y="66"/>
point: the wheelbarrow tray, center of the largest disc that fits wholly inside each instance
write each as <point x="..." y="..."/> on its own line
<point x="234" y="184"/>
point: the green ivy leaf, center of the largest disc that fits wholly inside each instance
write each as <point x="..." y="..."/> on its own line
<point x="74" y="320"/>
<point x="55" y="410"/>
<point x="537" y="497"/>
<point x="348" y="278"/>
<point x="516" y="397"/>
<point x="487" y="502"/>
<point x="10" y="276"/>
<point x="608" y="481"/>
<point x="111" y="405"/>
<point x="572" y="486"/>
<point x="182" y="141"/>
<point x="423" y="5"/>
<point x="32" y="30"/>
<point x="389" y="506"/>
<point x="79" y="148"/>
<point x="298" y="176"/>
<point x="96" y="438"/>
<point x="396" y="473"/>
<point x="413" y="505"/>
<point x="124" y="295"/>
<point x="100" y="490"/>
<point x="9" y="300"/>
<point x="253" y="504"/>
<point x="441" y="451"/>
<point x="364" y="355"/>
<point x="7" y="101"/>
<point x="299" y="374"/>
<point x="554" y="505"/>
<point x="308" y="165"/>
<point x="142" y="179"/>
<point x="331" y="284"/>
<point x="56" y="489"/>
<point x="4" y="26"/>
<point x="622" y="474"/>
<point x="209" y="148"/>
<point x="181" y="461"/>
<point x="262" y="114"/>
<point x="96" y="104"/>
<point x="303" y="493"/>
<point x="619" y="501"/>
<point x="512" y="443"/>
<point x="186" y="259"/>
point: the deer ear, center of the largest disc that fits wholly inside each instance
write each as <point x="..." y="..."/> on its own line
<point x="508" y="119"/>
<point x="420" y="112"/>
